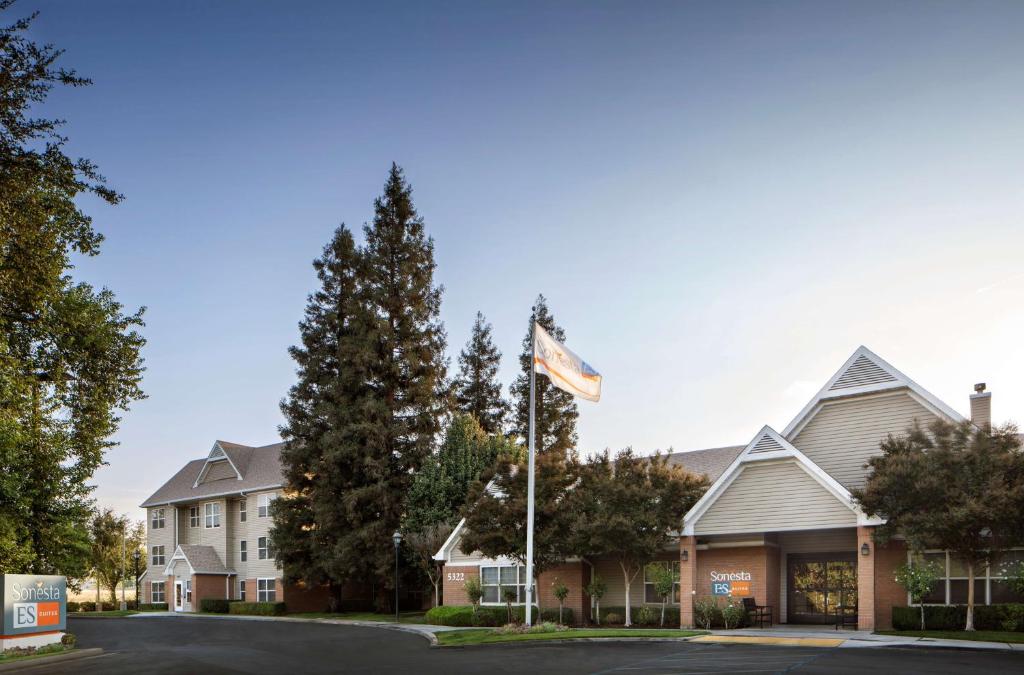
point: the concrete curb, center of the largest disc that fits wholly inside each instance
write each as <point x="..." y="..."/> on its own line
<point x="557" y="641"/>
<point x="25" y="664"/>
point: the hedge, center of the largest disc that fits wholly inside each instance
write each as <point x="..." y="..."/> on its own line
<point x="257" y="608"/>
<point x="463" y="615"/>
<point x="154" y="607"/>
<point x="954" y="617"/>
<point x="671" y="615"/>
<point x="214" y="605"/>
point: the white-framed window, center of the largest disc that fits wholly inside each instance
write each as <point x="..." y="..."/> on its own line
<point x="212" y="513"/>
<point x="241" y="590"/>
<point x="495" y="580"/>
<point x="650" y="596"/>
<point x="157" y="519"/>
<point x="263" y="505"/>
<point x="264" y="549"/>
<point x="193" y="516"/>
<point x="188" y="591"/>
<point x="266" y="590"/>
<point x="241" y="510"/>
<point x="243" y="555"/>
<point x="990" y="585"/>
<point x="158" y="556"/>
<point x="157" y="591"/>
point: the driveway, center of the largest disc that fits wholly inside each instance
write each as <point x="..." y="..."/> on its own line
<point x="168" y="644"/>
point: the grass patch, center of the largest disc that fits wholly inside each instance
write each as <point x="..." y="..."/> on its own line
<point x="480" y="636"/>
<point x="108" y="613"/>
<point x="974" y="636"/>
<point x="404" y="617"/>
<point x="48" y="650"/>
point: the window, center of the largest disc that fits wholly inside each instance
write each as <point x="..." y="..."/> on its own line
<point x="241" y="590"/>
<point x="193" y="516"/>
<point x="156" y="593"/>
<point x="188" y="591"/>
<point x="990" y="585"/>
<point x="158" y="556"/>
<point x="157" y="521"/>
<point x="264" y="550"/>
<point x="649" y="593"/>
<point x="266" y="590"/>
<point x="243" y="555"/>
<point x="263" y="505"/>
<point x="241" y="510"/>
<point x="212" y="512"/>
<point x="496" y="580"/>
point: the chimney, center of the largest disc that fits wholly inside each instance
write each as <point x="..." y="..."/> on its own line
<point x="981" y="406"/>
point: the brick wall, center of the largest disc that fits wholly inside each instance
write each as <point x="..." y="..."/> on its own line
<point x="302" y="598"/>
<point x="888" y="593"/>
<point x="866" y="580"/>
<point x="453" y="580"/>
<point x="572" y="575"/>
<point x="687" y="580"/>
<point x="207" y="586"/>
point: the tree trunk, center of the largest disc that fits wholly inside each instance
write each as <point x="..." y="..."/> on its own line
<point x="560" y="613"/>
<point x="437" y="591"/>
<point x="99" y="601"/>
<point x="970" y="596"/>
<point x="625" y="576"/>
<point x="598" y="615"/>
<point x="663" y="601"/>
<point x="921" y="605"/>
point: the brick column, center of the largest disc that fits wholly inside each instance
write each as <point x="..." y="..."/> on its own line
<point x="865" y="580"/>
<point x="687" y="580"/>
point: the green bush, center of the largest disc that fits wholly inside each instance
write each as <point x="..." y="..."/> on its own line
<point x="68" y="640"/>
<point x="646" y="616"/>
<point x="83" y="606"/>
<point x="612" y="618"/>
<point x="72" y="606"/>
<point x="954" y="617"/>
<point x="463" y="615"/>
<point x="671" y="614"/>
<point x="154" y="607"/>
<point x="214" y="605"/>
<point x="257" y="608"/>
<point x="450" y="615"/>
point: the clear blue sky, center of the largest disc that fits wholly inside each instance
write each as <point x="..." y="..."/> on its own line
<point x="721" y="200"/>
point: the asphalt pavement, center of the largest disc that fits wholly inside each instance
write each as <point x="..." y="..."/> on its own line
<point x="169" y="644"/>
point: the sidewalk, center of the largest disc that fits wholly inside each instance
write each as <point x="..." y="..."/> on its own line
<point x="816" y="637"/>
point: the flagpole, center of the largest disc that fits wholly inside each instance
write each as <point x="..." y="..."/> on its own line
<point x="529" y="479"/>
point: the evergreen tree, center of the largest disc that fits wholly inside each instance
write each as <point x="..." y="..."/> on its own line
<point x="323" y="448"/>
<point x="69" y="356"/>
<point x="477" y="390"/>
<point x="556" y="411"/>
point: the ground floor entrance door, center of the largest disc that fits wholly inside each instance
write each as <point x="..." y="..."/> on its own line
<point x="178" y="606"/>
<point x="818" y="584"/>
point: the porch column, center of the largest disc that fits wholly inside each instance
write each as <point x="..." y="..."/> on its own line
<point x="865" y="579"/>
<point x="687" y="579"/>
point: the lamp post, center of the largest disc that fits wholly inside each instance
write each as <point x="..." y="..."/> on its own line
<point x="136" y="559"/>
<point x="397" y="538"/>
<point x="124" y="576"/>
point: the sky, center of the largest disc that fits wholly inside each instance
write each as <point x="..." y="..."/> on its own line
<point x="721" y="201"/>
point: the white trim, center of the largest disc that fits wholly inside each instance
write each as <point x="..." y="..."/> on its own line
<point x="789" y="453"/>
<point x="925" y="397"/>
<point x="444" y="553"/>
<point x="217" y="453"/>
<point x="176" y="556"/>
<point x="230" y="493"/>
<point x="151" y="585"/>
<point x="273" y="581"/>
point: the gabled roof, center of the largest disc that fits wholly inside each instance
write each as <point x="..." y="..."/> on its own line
<point x="217" y="454"/>
<point x="865" y="373"/>
<point x="200" y="559"/>
<point x="769" y="445"/>
<point x="259" y="468"/>
<point x="711" y="462"/>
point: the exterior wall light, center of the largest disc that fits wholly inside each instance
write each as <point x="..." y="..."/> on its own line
<point x="686" y="555"/>
<point x="865" y="549"/>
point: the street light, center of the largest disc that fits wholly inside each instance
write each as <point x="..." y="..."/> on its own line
<point x="397" y="538"/>
<point x="124" y="576"/>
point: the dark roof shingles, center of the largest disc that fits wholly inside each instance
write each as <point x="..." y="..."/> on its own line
<point x="262" y="469"/>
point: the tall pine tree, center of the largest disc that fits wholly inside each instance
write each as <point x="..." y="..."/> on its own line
<point x="556" y="411"/>
<point x="400" y="412"/>
<point x="477" y="389"/>
<point x="323" y="448"/>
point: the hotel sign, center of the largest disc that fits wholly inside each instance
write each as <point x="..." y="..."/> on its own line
<point x="731" y="583"/>
<point x="33" y="604"/>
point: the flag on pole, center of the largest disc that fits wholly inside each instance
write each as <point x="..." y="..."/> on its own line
<point x="566" y="371"/>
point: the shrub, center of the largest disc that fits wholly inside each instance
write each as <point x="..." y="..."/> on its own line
<point x="707" y="613"/>
<point x="214" y="605"/>
<point x="645" y="616"/>
<point x="671" y="614"/>
<point x="733" y="615"/>
<point x="72" y="606"/>
<point x="488" y="616"/>
<point x="936" y="617"/>
<point x="154" y="607"/>
<point x="68" y="640"/>
<point x="85" y="606"/>
<point x="613" y="618"/>
<point x="474" y="591"/>
<point x="450" y="615"/>
<point x="257" y="608"/>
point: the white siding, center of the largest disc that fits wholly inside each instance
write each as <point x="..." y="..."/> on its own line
<point x="237" y="532"/>
<point x="216" y="537"/>
<point x="844" y="434"/>
<point x="770" y="496"/>
<point x="159" y="537"/>
<point x="258" y="527"/>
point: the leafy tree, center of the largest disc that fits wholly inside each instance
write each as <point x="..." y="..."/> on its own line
<point x="596" y="589"/>
<point x="323" y="447"/>
<point x="495" y="511"/>
<point x="474" y="591"/>
<point x="439" y="489"/>
<point x="664" y="581"/>
<point x="69" y="356"/>
<point x="111" y="557"/>
<point x="477" y="389"/>
<point x="952" y="487"/>
<point x="917" y="579"/>
<point x="627" y="508"/>
<point x="561" y="592"/>
<point x="556" y="411"/>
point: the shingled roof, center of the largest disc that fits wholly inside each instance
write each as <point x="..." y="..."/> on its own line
<point x="202" y="559"/>
<point x="711" y="462"/>
<point x="260" y="468"/>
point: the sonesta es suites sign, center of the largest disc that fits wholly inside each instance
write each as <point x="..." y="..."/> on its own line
<point x="730" y="583"/>
<point x="33" y="604"/>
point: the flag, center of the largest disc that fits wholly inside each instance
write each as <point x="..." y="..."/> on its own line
<point x="566" y="371"/>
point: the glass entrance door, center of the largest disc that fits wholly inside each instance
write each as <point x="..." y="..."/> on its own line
<point x="818" y="584"/>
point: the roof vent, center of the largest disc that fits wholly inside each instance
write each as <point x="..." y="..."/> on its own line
<point x="766" y="444"/>
<point x="862" y="372"/>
